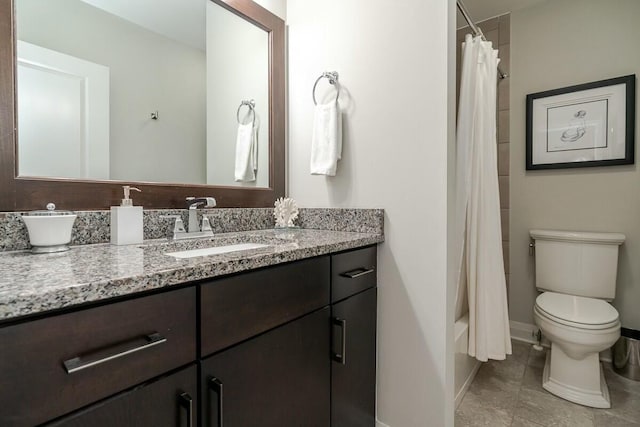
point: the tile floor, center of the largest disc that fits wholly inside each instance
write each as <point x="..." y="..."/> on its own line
<point x="509" y="393"/>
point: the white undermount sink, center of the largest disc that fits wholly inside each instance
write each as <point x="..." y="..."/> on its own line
<point x="216" y="250"/>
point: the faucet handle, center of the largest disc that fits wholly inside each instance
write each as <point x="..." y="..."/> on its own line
<point x="206" y="225"/>
<point x="178" y="226"/>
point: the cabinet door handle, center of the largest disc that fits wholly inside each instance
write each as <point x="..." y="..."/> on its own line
<point x="341" y="357"/>
<point x="216" y="385"/>
<point x="358" y="272"/>
<point x="186" y="401"/>
<point x="83" y="362"/>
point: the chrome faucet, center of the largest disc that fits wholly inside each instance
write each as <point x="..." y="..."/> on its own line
<point x="194" y="230"/>
<point x="193" y="203"/>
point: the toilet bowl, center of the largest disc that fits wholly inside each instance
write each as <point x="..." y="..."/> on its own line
<point x="576" y="273"/>
<point x="579" y="329"/>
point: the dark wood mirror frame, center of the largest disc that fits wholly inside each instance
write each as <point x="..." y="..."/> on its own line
<point x="28" y="193"/>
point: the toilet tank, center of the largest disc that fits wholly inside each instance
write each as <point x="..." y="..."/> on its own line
<point x="577" y="263"/>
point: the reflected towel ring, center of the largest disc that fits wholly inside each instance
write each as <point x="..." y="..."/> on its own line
<point x="333" y="79"/>
<point x="252" y="105"/>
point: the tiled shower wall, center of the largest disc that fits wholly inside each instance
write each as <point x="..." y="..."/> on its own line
<point x="497" y="31"/>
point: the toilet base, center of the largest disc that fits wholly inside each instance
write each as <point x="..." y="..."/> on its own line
<point x="578" y="381"/>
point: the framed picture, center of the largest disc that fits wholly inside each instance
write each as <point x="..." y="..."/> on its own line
<point x="579" y="126"/>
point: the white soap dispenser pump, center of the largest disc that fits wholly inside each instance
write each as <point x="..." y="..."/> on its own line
<point x="126" y="221"/>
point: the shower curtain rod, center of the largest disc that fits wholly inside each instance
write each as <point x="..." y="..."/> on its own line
<point x="476" y="30"/>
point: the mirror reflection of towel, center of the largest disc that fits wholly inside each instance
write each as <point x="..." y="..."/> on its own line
<point x="326" y="142"/>
<point x="247" y="152"/>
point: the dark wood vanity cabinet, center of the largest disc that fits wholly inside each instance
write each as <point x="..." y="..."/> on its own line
<point x="353" y="347"/>
<point x="289" y="345"/>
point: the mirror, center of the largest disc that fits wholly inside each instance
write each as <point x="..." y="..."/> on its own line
<point x="107" y="90"/>
<point x="108" y="93"/>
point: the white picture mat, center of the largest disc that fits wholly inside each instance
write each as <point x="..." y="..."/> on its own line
<point x="604" y="136"/>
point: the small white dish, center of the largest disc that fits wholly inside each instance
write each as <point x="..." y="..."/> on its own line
<point x="49" y="230"/>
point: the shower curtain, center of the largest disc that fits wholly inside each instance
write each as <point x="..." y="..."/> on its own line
<point x="478" y="241"/>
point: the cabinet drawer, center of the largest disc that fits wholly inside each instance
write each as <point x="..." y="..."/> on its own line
<point x="167" y="402"/>
<point x="353" y="272"/>
<point x="239" y="307"/>
<point x="55" y="365"/>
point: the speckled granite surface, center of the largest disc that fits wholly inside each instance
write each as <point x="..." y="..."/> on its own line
<point x="93" y="226"/>
<point x="343" y="219"/>
<point x="32" y="284"/>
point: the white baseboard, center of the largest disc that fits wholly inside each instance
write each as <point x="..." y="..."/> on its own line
<point x="467" y="384"/>
<point x="380" y="423"/>
<point x="524" y="332"/>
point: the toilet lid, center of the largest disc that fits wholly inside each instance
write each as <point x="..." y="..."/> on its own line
<point x="577" y="310"/>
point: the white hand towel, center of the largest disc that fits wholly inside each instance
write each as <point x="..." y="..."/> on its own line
<point x="247" y="152"/>
<point x="326" y="142"/>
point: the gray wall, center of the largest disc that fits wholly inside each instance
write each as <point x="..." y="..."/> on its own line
<point x="556" y="44"/>
<point x="148" y="72"/>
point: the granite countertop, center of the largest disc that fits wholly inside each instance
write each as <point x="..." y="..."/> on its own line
<point x="31" y="284"/>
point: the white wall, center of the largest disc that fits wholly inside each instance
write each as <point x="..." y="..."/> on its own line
<point x="141" y="82"/>
<point x="395" y="64"/>
<point x="277" y="7"/>
<point x="235" y="48"/>
<point x="556" y="44"/>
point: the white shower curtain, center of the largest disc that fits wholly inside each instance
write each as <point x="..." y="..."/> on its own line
<point x="478" y="232"/>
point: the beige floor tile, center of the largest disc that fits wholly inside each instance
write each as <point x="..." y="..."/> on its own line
<point x="520" y="351"/>
<point x="521" y="422"/>
<point x="474" y="411"/>
<point x="510" y="369"/>
<point x="623" y="405"/>
<point x="537" y="358"/>
<point x="494" y="392"/>
<point x="533" y="378"/>
<point x="549" y="410"/>
<point x="608" y="420"/>
<point x="619" y="382"/>
<point x="510" y="393"/>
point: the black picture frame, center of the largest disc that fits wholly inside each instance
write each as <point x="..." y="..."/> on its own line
<point x="597" y="120"/>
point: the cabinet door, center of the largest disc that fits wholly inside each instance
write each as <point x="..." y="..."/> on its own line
<point x="168" y="402"/>
<point x="353" y="370"/>
<point x="280" y="378"/>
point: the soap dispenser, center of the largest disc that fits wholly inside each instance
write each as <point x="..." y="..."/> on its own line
<point x="126" y="221"/>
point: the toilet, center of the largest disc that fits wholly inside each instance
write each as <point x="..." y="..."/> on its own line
<point x="576" y="273"/>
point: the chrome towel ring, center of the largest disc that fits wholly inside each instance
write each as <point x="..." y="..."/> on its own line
<point x="333" y="79"/>
<point x="251" y="104"/>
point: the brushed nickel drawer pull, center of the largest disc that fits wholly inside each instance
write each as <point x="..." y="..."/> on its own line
<point x="358" y="272"/>
<point x="83" y="362"/>
<point x="186" y="401"/>
<point x="216" y="385"/>
<point x="342" y="356"/>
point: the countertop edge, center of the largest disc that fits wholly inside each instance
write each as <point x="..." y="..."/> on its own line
<point x="44" y="302"/>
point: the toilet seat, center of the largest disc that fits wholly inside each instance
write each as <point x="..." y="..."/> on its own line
<point x="578" y="312"/>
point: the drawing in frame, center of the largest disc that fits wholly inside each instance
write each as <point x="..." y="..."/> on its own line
<point x="591" y="124"/>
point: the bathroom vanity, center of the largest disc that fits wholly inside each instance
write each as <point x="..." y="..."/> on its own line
<point x="284" y="335"/>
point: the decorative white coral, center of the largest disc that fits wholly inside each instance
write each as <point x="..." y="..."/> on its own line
<point x="285" y="212"/>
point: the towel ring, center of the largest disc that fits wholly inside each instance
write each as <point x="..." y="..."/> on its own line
<point x="333" y="79"/>
<point x="252" y="105"/>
